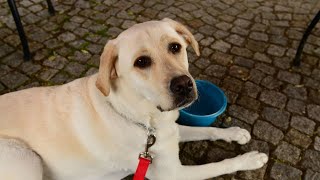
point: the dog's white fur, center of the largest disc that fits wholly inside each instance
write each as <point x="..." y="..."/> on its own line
<point x="85" y="130"/>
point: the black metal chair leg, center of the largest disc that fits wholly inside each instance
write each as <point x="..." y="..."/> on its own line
<point x="22" y="35"/>
<point x="296" y="61"/>
<point x="50" y="7"/>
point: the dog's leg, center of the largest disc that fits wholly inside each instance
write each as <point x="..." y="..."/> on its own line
<point x="248" y="161"/>
<point x="237" y="134"/>
<point x="18" y="162"/>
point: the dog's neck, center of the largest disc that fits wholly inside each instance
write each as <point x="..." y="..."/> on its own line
<point x="133" y="108"/>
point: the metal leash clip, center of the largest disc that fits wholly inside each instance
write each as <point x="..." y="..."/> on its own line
<point x="150" y="142"/>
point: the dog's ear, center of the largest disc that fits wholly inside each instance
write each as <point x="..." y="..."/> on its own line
<point x="107" y="70"/>
<point x="184" y="32"/>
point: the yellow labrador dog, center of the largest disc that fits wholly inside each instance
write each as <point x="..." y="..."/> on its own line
<point x="95" y="127"/>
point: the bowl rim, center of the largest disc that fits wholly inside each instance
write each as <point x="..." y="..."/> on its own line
<point x="220" y="111"/>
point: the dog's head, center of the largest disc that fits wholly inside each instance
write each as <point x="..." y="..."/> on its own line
<point x="150" y="60"/>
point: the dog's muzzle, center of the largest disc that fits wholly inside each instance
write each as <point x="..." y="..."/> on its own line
<point x="183" y="90"/>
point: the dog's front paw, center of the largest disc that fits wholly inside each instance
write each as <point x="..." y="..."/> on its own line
<point x="252" y="160"/>
<point x="241" y="136"/>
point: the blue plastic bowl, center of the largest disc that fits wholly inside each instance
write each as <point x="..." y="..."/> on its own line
<point x="211" y="103"/>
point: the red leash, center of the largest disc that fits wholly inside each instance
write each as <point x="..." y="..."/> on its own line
<point x="142" y="169"/>
<point x="145" y="159"/>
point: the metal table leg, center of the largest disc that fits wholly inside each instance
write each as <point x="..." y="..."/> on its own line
<point x="296" y="61"/>
<point x="50" y="7"/>
<point x="22" y="35"/>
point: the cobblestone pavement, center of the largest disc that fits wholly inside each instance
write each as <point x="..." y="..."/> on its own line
<point x="246" y="46"/>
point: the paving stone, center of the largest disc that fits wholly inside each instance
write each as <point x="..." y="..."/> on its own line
<point x="196" y="149"/>
<point x="218" y="34"/>
<point x="243" y="114"/>
<point x="256" y="46"/>
<point x="216" y="70"/>
<point x="316" y="74"/>
<point x="249" y="102"/>
<point x="297" y="92"/>
<point x="222" y="58"/>
<point x="256" y="76"/>
<point x="267" y="132"/>
<point x="242" y="23"/>
<point x="231" y="96"/>
<point x="281" y="171"/>
<point x="283" y="62"/>
<point x="314" y="112"/>
<point x="311" y="159"/>
<point x="298" y="139"/>
<point x="226" y="18"/>
<point x="208" y="30"/>
<point x="280" y="23"/>
<point x="221" y="46"/>
<point x="311" y="175"/>
<point x="235" y="39"/>
<point x="31" y="18"/>
<point x="5" y="50"/>
<point x="259" y="36"/>
<point x="30" y="68"/>
<point x="254" y="174"/>
<point x="95" y="49"/>
<point x="188" y="7"/>
<point x="57" y="62"/>
<point x="4" y="69"/>
<point x="47" y="74"/>
<point x="289" y="77"/>
<point x="239" y="72"/>
<point x="256" y="145"/>
<point x="81" y="56"/>
<point x="265" y="68"/>
<point x="273" y="98"/>
<point x="279" y="40"/>
<point x="294" y="34"/>
<point x="271" y="83"/>
<point x="75" y="69"/>
<point x="303" y="124"/>
<point x="66" y="37"/>
<point x="207" y="41"/>
<point x="232" y="84"/>
<point x="35" y="8"/>
<point x="262" y="57"/>
<point x="13" y="79"/>
<point x="313" y="96"/>
<point x="60" y="78"/>
<point x="244" y="62"/>
<point x="277" y="117"/>
<point x="276" y="50"/>
<point x="296" y="106"/>
<point x="251" y="89"/>
<point x="53" y="43"/>
<point x="240" y="31"/>
<point x="308" y="82"/>
<point x="218" y="154"/>
<point x="206" y="52"/>
<point x="241" y="52"/>
<point x="287" y="152"/>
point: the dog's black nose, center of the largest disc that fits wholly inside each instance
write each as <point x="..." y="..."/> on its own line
<point x="181" y="85"/>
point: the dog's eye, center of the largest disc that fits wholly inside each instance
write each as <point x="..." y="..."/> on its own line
<point x="143" y="62"/>
<point x="174" y="48"/>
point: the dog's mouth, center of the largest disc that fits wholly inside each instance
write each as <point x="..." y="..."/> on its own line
<point x="185" y="102"/>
